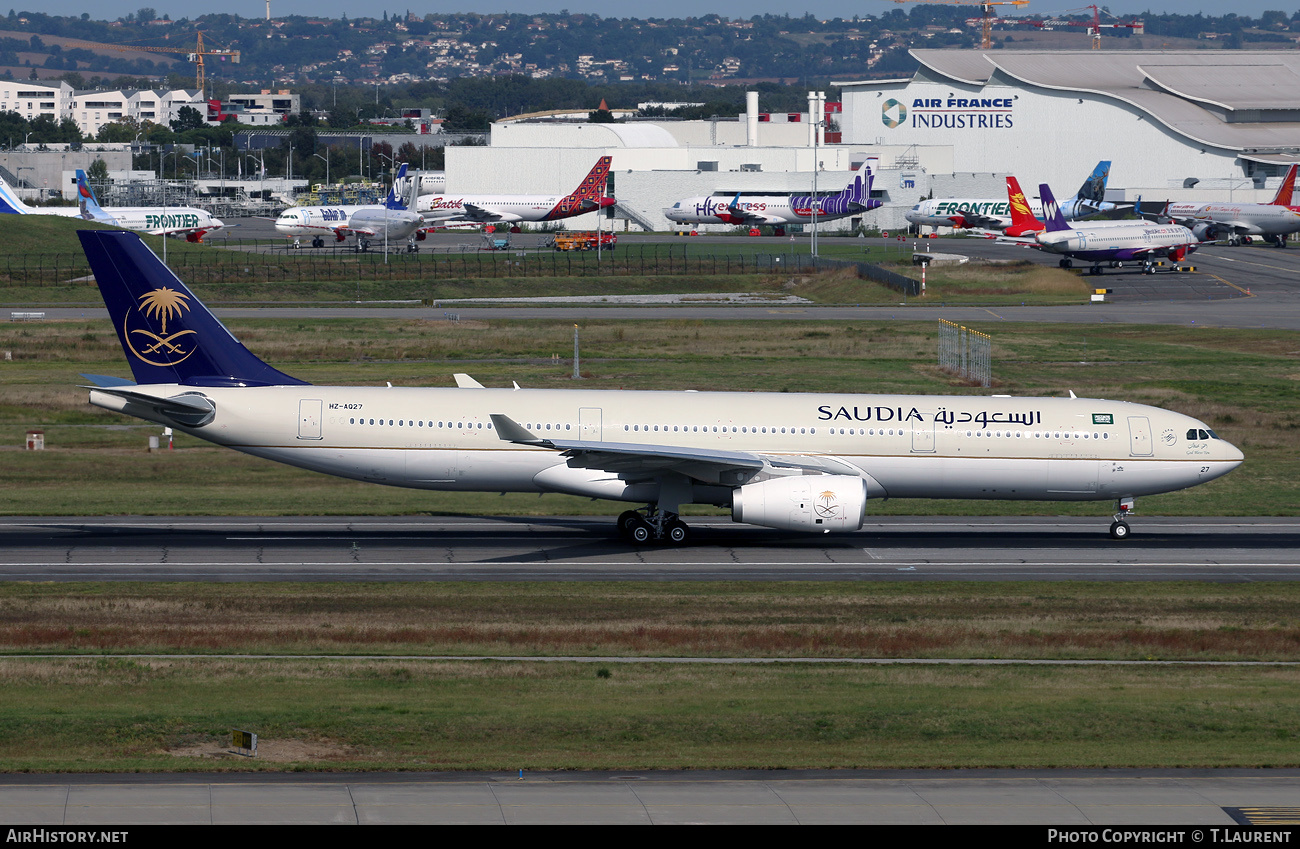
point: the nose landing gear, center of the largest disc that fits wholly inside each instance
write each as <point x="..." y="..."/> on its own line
<point x="1119" y="529"/>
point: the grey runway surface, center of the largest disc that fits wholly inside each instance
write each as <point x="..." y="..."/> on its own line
<point x="586" y="548"/>
<point x="1137" y="799"/>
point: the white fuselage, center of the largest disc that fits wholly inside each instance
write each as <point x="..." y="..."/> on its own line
<point x="163" y="220"/>
<point x="439" y="207"/>
<point x="1243" y="219"/>
<point x="369" y="221"/>
<point x="759" y="209"/>
<point x="1119" y="240"/>
<point x="900" y="446"/>
<point x="989" y="213"/>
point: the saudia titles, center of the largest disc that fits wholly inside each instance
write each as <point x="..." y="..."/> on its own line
<point x="161" y="348"/>
<point x="953" y="113"/>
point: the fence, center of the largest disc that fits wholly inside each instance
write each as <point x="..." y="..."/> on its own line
<point x="966" y="353"/>
<point x="259" y="263"/>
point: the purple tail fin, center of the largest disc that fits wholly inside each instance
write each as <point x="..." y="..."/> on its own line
<point x="1052" y="216"/>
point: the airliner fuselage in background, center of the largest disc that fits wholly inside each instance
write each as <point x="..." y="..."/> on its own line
<point x="799" y="462"/>
<point x="454" y="210"/>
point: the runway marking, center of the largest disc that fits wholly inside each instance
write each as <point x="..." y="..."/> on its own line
<point x="1245" y="292"/>
<point x="1260" y="264"/>
<point x="869" y="661"/>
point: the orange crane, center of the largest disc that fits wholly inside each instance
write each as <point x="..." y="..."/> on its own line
<point x="192" y="54"/>
<point x="986" y="9"/>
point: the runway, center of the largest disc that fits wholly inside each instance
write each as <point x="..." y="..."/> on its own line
<point x="585" y="548"/>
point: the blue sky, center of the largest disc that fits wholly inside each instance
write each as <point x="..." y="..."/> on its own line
<point x="110" y="9"/>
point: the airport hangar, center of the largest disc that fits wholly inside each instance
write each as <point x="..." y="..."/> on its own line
<point x="1212" y="125"/>
<point x="659" y="162"/>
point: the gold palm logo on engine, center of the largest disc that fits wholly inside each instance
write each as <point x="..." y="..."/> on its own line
<point x="827" y="506"/>
<point x="157" y="308"/>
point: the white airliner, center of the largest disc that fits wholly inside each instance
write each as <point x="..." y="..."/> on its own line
<point x="450" y="210"/>
<point x="1238" y="222"/>
<point x="797" y="462"/>
<point x="391" y="222"/>
<point x="1114" y="242"/>
<point x="188" y="221"/>
<point x="777" y="211"/>
<point x="995" y="214"/>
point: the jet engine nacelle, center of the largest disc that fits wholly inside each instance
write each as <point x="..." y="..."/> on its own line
<point x="1206" y="232"/>
<point x="802" y="503"/>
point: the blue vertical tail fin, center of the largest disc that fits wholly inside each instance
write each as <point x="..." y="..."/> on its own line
<point x="10" y="203"/>
<point x="1052" y="217"/>
<point x="1093" y="190"/>
<point x="394" y="201"/>
<point x="167" y="334"/>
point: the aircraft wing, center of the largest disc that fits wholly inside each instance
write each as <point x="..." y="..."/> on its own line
<point x="483" y="215"/>
<point x="741" y="216"/>
<point x="703" y="464"/>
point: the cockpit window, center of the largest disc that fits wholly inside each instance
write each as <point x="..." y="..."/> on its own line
<point x="1195" y="434"/>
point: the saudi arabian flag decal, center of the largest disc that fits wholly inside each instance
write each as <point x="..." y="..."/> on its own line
<point x="893" y="113"/>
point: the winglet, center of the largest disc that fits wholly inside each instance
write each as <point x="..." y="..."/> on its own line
<point x="511" y="431"/>
<point x="464" y="381"/>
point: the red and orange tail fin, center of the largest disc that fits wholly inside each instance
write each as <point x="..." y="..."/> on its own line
<point x="1284" y="191"/>
<point x="1023" y="221"/>
<point x="593" y="185"/>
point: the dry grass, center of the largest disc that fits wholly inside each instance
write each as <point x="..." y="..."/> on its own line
<point x="705" y="620"/>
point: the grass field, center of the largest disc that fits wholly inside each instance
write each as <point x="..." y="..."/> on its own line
<point x="41" y="264"/>
<point x="90" y="710"/>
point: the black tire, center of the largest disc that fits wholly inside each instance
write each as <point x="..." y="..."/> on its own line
<point x="1119" y="530"/>
<point x="678" y="532"/>
<point x="641" y="533"/>
<point x="625" y="521"/>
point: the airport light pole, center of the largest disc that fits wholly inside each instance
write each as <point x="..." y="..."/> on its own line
<point x="327" y="167"/>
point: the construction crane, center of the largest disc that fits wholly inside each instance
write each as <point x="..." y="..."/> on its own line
<point x="987" y="14"/>
<point x="1094" y="26"/>
<point x="194" y="54"/>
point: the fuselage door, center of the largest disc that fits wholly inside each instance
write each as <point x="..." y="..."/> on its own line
<point x="309" y="416"/>
<point x="923" y="437"/>
<point x="1139" y="436"/>
<point x="589" y="424"/>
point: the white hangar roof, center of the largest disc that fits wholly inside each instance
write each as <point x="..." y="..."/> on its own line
<point x="1246" y="101"/>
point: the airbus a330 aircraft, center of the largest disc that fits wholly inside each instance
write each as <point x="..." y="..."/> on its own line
<point x="1238" y="222"/>
<point x="391" y="222"/>
<point x="797" y="462"/>
<point x="994" y="214"/>
<point x="1114" y="243"/>
<point x="443" y="210"/>
<point x="777" y="211"/>
<point x="188" y="221"/>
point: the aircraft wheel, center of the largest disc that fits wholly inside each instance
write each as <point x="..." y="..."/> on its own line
<point x="641" y="533"/>
<point x="1150" y="269"/>
<point x="1065" y="263"/>
<point x="625" y="521"/>
<point x="1119" y="530"/>
<point x="678" y="532"/>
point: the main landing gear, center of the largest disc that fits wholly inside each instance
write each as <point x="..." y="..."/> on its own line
<point x="652" y="526"/>
<point x="1119" y="529"/>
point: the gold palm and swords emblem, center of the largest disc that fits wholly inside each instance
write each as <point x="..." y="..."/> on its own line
<point x="161" y="305"/>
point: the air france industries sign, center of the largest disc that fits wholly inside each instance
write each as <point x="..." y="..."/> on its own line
<point x="953" y="113"/>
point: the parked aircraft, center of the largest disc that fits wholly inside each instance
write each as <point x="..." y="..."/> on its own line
<point x="1023" y="220"/>
<point x="442" y="210"/>
<point x="993" y="214"/>
<point x="1238" y="222"/>
<point x="392" y="222"/>
<point x="429" y="183"/>
<point x="188" y="221"/>
<point x="1115" y="243"/>
<point x="777" y="210"/>
<point x="797" y="462"/>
